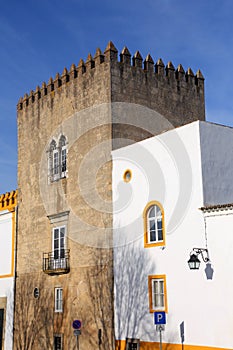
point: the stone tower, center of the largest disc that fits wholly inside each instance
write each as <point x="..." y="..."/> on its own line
<point x="67" y="129"/>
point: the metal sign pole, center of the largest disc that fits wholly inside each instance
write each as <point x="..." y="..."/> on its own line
<point x="160" y="321"/>
<point x="77" y="331"/>
<point x="160" y="338"/>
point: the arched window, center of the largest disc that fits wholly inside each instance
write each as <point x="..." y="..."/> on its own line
<point x="154" y="225"/>
<point x="57" y="159"/>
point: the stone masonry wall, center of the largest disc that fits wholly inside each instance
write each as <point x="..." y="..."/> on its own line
<point x="79" y="105"/>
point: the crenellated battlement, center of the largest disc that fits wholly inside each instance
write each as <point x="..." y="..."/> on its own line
<point x="8" y="200"/>
<point x="175" y="78"/>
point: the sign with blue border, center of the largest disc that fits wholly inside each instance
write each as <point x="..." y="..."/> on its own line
<point x="160" y="317"/>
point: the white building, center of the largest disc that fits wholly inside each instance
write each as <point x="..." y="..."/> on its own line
<point x="8" y="202"/>
<point x="169" y="193"/>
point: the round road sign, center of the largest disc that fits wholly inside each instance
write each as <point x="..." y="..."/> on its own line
<point x="76" y="324"/>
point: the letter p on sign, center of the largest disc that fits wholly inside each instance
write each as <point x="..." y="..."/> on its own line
<point x="160" y="317"/>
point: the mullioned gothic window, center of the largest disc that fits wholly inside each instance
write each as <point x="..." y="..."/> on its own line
<point x="57" y="159"/>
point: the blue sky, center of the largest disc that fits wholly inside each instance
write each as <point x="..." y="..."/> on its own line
<point x="40" y="38"/>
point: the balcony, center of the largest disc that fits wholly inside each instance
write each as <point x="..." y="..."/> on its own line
<point x="54" y="264"/>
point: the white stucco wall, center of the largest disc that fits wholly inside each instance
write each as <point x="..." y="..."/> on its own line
<point x="166" y="168"/>
<point x="217" y="163"/>
<point x="6" y="243"/>
<point x="6" y="270"/>
<point x="219" y="224"/>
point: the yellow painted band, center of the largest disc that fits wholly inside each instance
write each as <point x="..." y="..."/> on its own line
<point x="121" y="345"/>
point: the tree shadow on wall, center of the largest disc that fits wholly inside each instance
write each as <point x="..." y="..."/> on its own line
<point x="132" y="265"/>
<point x="33" y="316"/>
<point x="100" y="287"/>
<point x="94" y="304"/>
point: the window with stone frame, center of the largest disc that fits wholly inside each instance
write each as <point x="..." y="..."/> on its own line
<point x="59" y="246"/>
<point x="57" y="159"/>
<point x="58" y="300"/>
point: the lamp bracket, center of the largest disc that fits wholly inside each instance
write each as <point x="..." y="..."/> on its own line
<point x="204" y="253"/>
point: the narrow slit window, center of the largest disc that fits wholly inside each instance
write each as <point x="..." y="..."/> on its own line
<point x="58" y="300"/>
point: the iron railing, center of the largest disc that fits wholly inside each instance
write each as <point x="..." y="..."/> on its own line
<point x="56" y="264"/>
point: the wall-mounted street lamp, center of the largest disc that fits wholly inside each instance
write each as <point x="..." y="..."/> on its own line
<point x="194" y="262"/>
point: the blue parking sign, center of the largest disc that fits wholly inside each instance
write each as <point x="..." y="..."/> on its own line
<point x="160" y="317"/>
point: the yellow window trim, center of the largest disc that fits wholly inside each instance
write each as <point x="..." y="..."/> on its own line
<point x="13" y="227"/>
<point x="13" y="223"/>
<point x="145" y="211"/>
<point x="150" y="278"/>
<point x="127" y="171"/>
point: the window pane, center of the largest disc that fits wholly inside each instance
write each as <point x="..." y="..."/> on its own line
<point x="63" y="159"/>
<point x="158" y="211"/>
<point x="161" y="287"/>
<point x="53" y="146"/>
<point x="152" y="225"/>
<point x="56" y="255"/>
<point x="55" y="163"/>
<point x="151" y="212"/>
<point x="152" y="236"/>
<point x="56" y="233"/>
<point x="160" y="235"/>
<point x="159" y="300"/>
<point x="159" y="224"/>
<point x="156" y="286"/>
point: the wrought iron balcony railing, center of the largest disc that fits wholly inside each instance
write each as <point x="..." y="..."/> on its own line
<point x="54" y="263"/>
